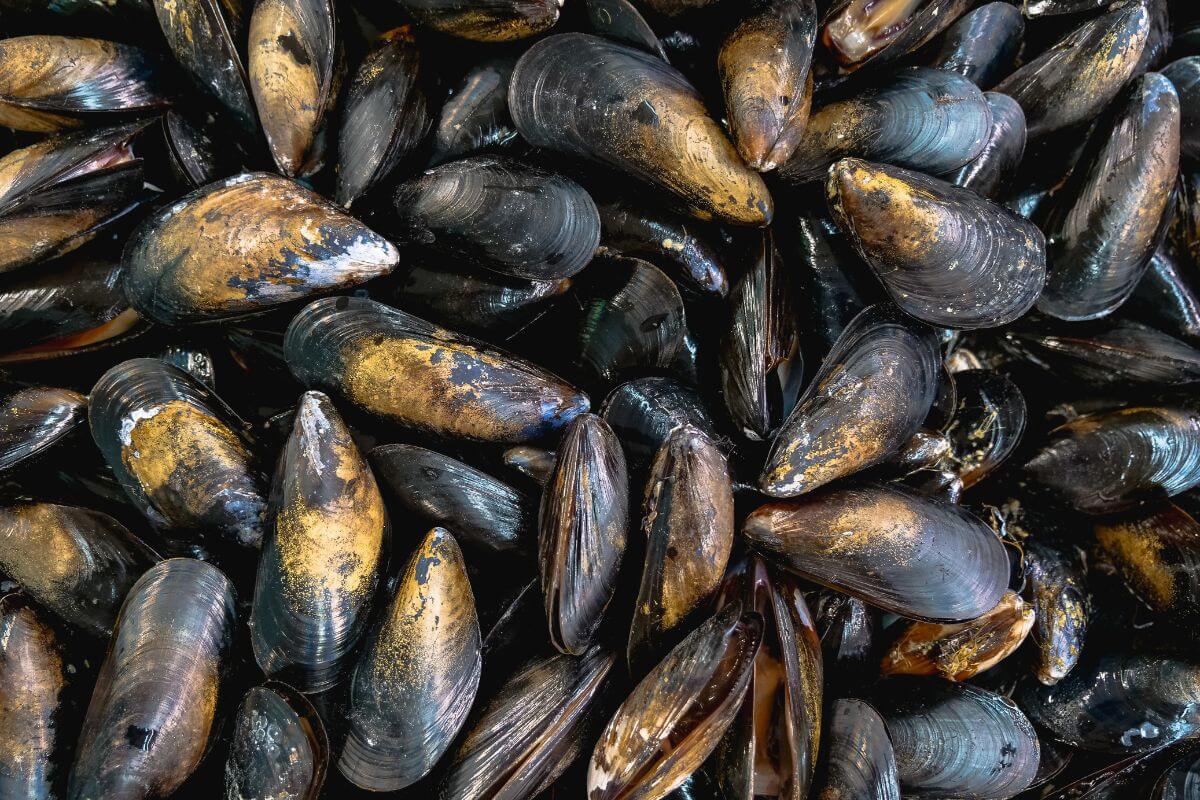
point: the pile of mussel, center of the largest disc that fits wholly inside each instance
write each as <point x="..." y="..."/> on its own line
<point x="599" y="399"/>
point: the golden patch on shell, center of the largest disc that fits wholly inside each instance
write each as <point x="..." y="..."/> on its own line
<point x="1139" y="555"/>
<point x="31" y="679"/>
<point x="34" y="66"/>
<point x="885" y="213"/>
<point x="38" y="549"/>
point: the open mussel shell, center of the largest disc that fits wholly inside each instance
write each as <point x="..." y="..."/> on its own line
<point x="770" y="749"/>
<point x="924" y="119"/>
<point x="583" y="525"/>
<point x="859" y="761"/>
<point x="156" y="697"/>
<point x="58" y="193"/>
<point x="873" y="391"/>
<point x="643" y="412"/>
<point x="620" y="20"/>
<point x="406" y="370"/>
<point x="1165" y="299"/>
<point x="1109" y="461"/>
<point x="987" y="425"/>
<point x="475" y="116"/>
<point x="760" y="359"/>
<point x="385" y="116"/>
<point x="1158" y="552"/>
<point x="1077" y="77"/>
<point x="243" y="246"/>
<point x="32" y="679"/>
<point x="1185" y="75"/>
<point x="34" y="419"/>
<point x="205" y="37"/>
<point x="179" y="452"/>
<point x="666" y="241"/>
<point x="493" y="21"/>
<point x="1114" y="216"/>
<point x="278" y="747"/>
<point x="54" y="83"/>
<point x="502" y="215"/>
<point x="482" y="511"/>
<point x="1055" y="587"/>
<point x="945" y="255"/>
<point x="1119" y="703"/>
<point x="915" y="557"/>
<point x="321" y="560"/>
<point x="849" y="631"/>
<point x="292" y="68"/>
<point x="956" y="740"/>
<point x="675" y="717"/>
<point x="862" y="32"/>
<point x="589" y="97"/>
<point x="633" y="317"/>
<point x="982" y="45"/>
<point x="959" y="651"/>
<point x="1119" y="355"/>
<point x="416" y="680"/>
<point x="75" y="562"/>
<point x="531" y="730"/>
<point x="687" y="519"/>
<point x="993" y="169"/>
<point x="764" y="66"/>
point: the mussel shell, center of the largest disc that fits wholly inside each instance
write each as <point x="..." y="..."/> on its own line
<point x="1165" y="299"/>
<point x="982" y="45"/>
<point x="35" y="419"/>
<point x="992" y="170"/>
<point x="1114" y="216"/>
<point x="885" y="44"/>
<point x="1119" y="703"/>
<point x="925" y="119"/>
<point x="1070" y="82"/>
<point x="195" y="159"/>
<point x="916" y="557"/>
<point x="385" y="116"/>
<point x="156" y="697"/>
<point x="416" y="680"/>
<point x="620" y="20"/>
<point x="957" y="740"/>
<point x="291" y="62"/>
<point x="1158" y="552"/>
<point x="32" y="679"/>
<point x="859" y="763"/>
<point x="54" y="83"/>
<point x="1054" y="586"/>
<point x="674" y="718"/>
<point x="531" y="730"/>
<point x="321" y="561"/>
<point x="278" y="747"/>
<point x="535" y="463"/>
<point x="835" y="284"/>
<point x="75" y="562"/>
<point x="849" y="631"/>
<point x="672" y="8"/>
<point x="1127" y="777"/>
<point x="178" y="451"/>
<point x="1119" y="356"/>
<point x="987" y="425"/>
<point x="482" y="511"/>
<point x="871" y="395"/>
<point x="1046" y="8"/>
<point x="1109" y="461"/>
<point x="665" y="240"/>
<point x="687" y="519"/>
<point x="244" y="245"/>
<point x="924" y="450"/>
<point x="1180" y="781"/>
<point x="502" y="215"/>
<point x="583" y="524"/>
<point x="475" y="117"/>
<point x="493" y="21"/>
<point x="1185" y="75"/>
<point x="945" y="255"/>
<point x="474" y="299"/>
<point x="643" y="412"/>
<point x="594" y="98"/>
<point x="764" y="66"/>
<point x="402" y="368"/>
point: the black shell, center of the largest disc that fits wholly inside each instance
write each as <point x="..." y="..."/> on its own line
<point x="475" y="117"/>
<point x="1055" y="586"/>
<point x="620" y="20"/>
<point x="859" y="763"/>
<point x="1158" y="553"/>
<point x="982" y="45"/>
<point x="643" y="412"/>
<point x="490" y="21"/>
<point x="278" y="747"/>
<point x="35" y="419"/>
<point x="1165" y="299"/>
<point x="991" y="172"/>
<point x="987" y="424"/>
<point x="665" y="240"/>
<point x="1185" y="75"/>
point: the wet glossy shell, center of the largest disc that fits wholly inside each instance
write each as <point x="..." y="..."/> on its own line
<point x="945" y="255"/>
<point x="665" y="240"/>
<point x="860" y="763"/>
<point x="32" y="678"/>
<point x="243" y="246"/>
<point x="178" y="451"/>
<point x="957" y="740"/>
<point x="1070" y="82"/>
<point x="912" y="556"/>
<point x="487" y="21"/>
<point x="585" y="96"/>
<point x="987" y="425"/>
<point x="991" y="172"/>
<point x="35" y="419"/>
<point x="1185" y="75"/>
<point x="1120" y="703"/>
<point x="620" y="20"/>
<point x="583" y="524"/>
<point x="482" y="511"/>
<point x="1181" y="779"/>
<point x="1121" y="355"/>
<point x="873" y="391"/>
<point x="1054" y="586"/>
<point x="475" y="117"/>
<point x="321" y="562"/>
<point x="416" y="679"/>
<point x="75" y="562"/>
<point x="687" y="519"/>
<point x="924" y="119"/>
<point x="983" y="44"/>
<point x="1165" y="299"/>
<point x="864" y="33"/>
<point x="674" y="718"/>
<point x="643" y="413"/>
<point x="1184" y="230"/>
<point x="1101" y="239"/>
<point x="475" y="299"/>
<point x="502" y="215"/>
<point x="1158" y="552"/>
<point x="531" y="730"/>
<point x="849" y="630"/>
<point x="1046" y="8"/>
<point x="156" y="697"/>
<point x="534" y="463"/>
<point x="1112" y="460"/>
<point x="278" y="748"/>
<point x="764" y="66"/>
<point x="385" y="117"/>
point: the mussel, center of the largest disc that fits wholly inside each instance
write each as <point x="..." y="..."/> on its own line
<point x="35" y="419"/>
<point x="859" y="759"/>
<point x="1122" y="354"/>
<point x="987" y="424"/>
<point x="993" y="169"/>
<point x="491" y="21"/>
<point x="278" y="748"/>
<point x="982" y="45"/>
<point x="1165" y="299"/>
<point x="643" y="412"/>
<point x="874" y="32"/>
<point x="620" y="20"/>
<point x="1054" y="586"/>
<point x="215" y="254"/>
<point x="665" y="240"/>
<point x="475" y="117"/>
<point x="1158" y="552"/>
<point x="1185" y="75"/>
<point x="849" y="632"/>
